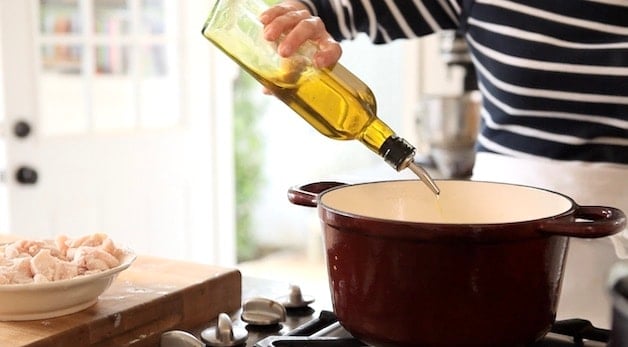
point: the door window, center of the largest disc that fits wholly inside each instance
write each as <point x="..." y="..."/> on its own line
<point x="107" y="65"/>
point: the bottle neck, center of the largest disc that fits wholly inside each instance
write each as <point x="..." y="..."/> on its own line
<point x="381" y="139"/>
<point x="397" y="152"/>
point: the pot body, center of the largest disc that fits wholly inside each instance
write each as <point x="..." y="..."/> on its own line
<point x="480" y="266"/>
<point x="394" y="292"/>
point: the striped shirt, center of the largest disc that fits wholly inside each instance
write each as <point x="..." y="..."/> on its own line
<point x="553" y="73"/>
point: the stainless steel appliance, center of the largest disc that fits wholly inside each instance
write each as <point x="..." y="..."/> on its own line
<point x="448" y="124"/>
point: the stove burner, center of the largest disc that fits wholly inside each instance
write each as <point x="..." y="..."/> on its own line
<point x="326" y="331"/>
<point x="581" y="330"/>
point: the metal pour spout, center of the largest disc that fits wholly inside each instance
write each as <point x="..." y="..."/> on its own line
<point x="425" y="177"/>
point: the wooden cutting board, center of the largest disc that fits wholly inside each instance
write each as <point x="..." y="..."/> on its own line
<point x="150" y="297"/>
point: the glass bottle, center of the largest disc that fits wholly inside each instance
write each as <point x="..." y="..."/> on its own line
<point x="332" y="100"/>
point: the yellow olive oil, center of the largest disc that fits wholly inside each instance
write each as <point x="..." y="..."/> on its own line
<point x="333" y="100"/>
<point x="336" y="104"/>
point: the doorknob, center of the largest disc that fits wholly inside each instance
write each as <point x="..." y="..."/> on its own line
<point x="26" y="175"/>
<point x="21" y="129"/>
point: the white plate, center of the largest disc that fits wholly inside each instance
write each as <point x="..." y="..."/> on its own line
<point x="31" y="301"/>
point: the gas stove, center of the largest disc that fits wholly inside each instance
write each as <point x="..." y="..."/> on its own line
<point x="314" y="324"/>
<point x="325" y="330"/>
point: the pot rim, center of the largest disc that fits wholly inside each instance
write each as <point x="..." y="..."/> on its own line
<point x="355" y="215"/>
<point x="454" y="232"/>
<point x="485" y="233"/>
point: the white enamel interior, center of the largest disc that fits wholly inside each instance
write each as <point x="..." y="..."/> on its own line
<point x="460" y="202"/>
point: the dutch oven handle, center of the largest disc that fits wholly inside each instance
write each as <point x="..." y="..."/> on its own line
<point x="596" y="221"/>
<point x="307" y="195"/>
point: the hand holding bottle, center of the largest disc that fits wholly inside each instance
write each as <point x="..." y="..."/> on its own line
<point x="293" y="21"/>
<point x="290" y="53"/>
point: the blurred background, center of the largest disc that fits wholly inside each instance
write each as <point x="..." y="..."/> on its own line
<point x="118" y="116"/>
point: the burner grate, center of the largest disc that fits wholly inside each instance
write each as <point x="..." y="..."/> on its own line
<point x="326" y="331"/>
<point x="581" y="331"/>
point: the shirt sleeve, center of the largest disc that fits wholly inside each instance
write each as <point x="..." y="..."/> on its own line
<point x="385" y="21"/>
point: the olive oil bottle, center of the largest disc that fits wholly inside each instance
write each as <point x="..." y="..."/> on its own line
<point x="332" y="100"/>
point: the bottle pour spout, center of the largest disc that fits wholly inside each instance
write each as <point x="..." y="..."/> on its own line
<point x="399" y="154"/>
<point x="425" y="177"/>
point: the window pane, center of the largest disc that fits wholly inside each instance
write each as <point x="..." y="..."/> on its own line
<point x="61" y="58"/>
<point x="112" y="59"/>
<point x="60" y="17"/>
<point x="152" y="17"/>
<point x="111" y="17"/>
<point x="153" y="61"/>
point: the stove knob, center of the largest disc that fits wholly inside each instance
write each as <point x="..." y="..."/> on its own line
<point x="295" y="299"/>
<point x="262" y="311"/>
<point x="224" y="334"/>
<point x="179" y="338"/>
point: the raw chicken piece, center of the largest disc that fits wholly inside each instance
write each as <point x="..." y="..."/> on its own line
<point x="52" y="268"/>
<point x="93" y="258"/>
<point x="89" y="240"/>
<point x="65" y="270"/>
<point x="16" y="249"/>
<point x="61" y="242"/>
<point x="27" y="261"/>
<point x="43" y="263"/>
<point x="108" y="246"/>
<point x="11" y="251"/>
<point x="5" y="269"/>
<point x="4" y="279"/>
<point x="21" y="272"/>
<point x="39" y="278"/>
<point x="25" y="248"/>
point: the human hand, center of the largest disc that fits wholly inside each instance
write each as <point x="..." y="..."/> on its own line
<point x="292" y="19"/>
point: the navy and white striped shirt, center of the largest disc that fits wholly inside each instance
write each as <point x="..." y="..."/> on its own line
<point x="553" y="73"/>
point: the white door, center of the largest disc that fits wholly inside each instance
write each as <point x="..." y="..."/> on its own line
<point x="117" y="120"/>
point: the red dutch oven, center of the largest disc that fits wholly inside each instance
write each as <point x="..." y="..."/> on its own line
<point x="480" y="265"/>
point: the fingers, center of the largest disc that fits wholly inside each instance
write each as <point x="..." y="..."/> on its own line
<point x="280" y="9"/>
<point x="289" y="21"/>
<point x="266" y="91"/>
<point x="329" y="53"/>
<point x="299" y="26"/>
